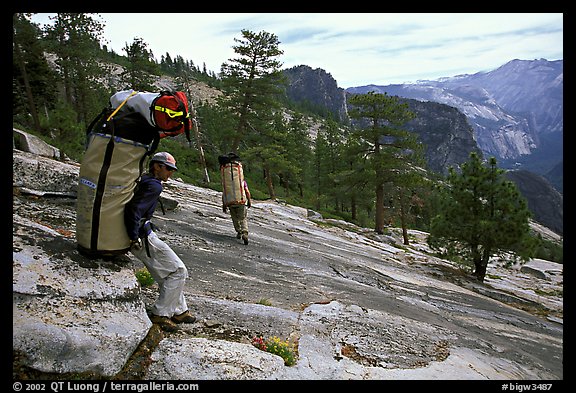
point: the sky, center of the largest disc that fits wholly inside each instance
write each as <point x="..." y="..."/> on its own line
<point x="357" y="49"/>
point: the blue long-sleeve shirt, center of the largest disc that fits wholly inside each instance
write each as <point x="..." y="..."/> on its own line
<point x="141" y="207"/>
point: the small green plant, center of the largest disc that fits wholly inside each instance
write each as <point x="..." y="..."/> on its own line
<point x="276" y="346"/>
<point x="264" y="302"/>
<point x="144" y="277"/>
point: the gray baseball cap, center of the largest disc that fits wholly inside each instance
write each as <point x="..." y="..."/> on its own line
<point x="165" y="158"/>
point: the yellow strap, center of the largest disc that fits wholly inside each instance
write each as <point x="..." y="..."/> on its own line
<point x="168" y="111"/>
<point x="120" y="106"/>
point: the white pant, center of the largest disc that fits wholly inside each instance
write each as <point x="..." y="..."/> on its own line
<point x="169" y="272"/>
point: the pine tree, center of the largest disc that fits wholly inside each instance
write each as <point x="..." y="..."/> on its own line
<point x="481" y="215"/>
<point x="328" y="162"/>
<point x="298" y="144"/>
<point x="269" y="147"/>
<point x="74" y="38"/>
<point x="381" y="116"/>
<point x="252" y="82"/>
<point x="33" y="83"/>
<point x="138" y="75"/>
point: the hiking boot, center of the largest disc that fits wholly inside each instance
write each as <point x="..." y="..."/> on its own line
<point x="238" y="235"/>
<point x="185" y="317"/>
<point x="165" y="323"/>
<point x="245" y="238"/>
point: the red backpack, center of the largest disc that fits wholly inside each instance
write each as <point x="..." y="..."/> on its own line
<point x="170" y="114"/>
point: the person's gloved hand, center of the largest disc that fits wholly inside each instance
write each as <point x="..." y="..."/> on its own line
<point x="135" y="245"/>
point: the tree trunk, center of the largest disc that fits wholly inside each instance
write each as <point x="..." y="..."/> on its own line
<point x="242" y="126"/>
<point x="196" y="127"/>
<point x="269" y="183"/>
<point x="480" y="272"/>
<point x="403" y="218"/>
<point x="480" y="263"/>
<point x="380" y="209"/>
<point x="29" y="96"/>
<point x="405" y="232"/>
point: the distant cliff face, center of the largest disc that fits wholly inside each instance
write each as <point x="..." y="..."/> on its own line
<point x="516" y="110"/>
<point x="316" y="87"/>
<point x="444" y="130"/>
<point x="533" y="88"/>
<point x="545" y="203"/>
<point x="446" y="134"/>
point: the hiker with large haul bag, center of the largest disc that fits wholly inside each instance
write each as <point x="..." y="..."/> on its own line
<point x="235" y="193"/>
<point x="165" y="266"/>
<point x="118" y="141"/>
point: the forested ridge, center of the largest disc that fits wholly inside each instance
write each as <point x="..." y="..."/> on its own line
<point x="373" y="175"/>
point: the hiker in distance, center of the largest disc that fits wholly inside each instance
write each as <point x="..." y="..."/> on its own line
<point x="164" y="265"/>
<point x="235" y="193"/>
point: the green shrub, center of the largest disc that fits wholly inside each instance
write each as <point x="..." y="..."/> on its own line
<point x="144" y="277"/>
<point x="265" y="302"/>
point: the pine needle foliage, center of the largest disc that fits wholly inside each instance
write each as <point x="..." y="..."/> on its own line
<point x="481" y="215"/>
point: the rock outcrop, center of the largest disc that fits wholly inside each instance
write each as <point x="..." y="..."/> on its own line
<point x="355" y="304"/>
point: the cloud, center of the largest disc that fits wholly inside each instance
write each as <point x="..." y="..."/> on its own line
<point x="355" y="48"/>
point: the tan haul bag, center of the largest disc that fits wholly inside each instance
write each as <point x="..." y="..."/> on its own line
<point x="108" y="174"/>
<point x="233" y="192"/>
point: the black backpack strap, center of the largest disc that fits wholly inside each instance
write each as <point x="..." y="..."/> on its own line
<point x="187" y="129"/>
<point x="97" y="120"/>
<point x="147" y="245"/>
<point x="151" y="150"/>
<point x="105" y="111"/>
<point x="99" y="195"/>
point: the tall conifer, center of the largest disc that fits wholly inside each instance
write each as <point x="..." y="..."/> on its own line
<point x="481" y="215"/>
